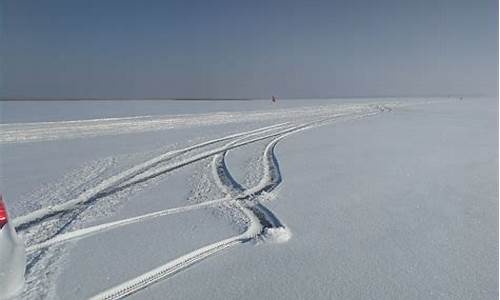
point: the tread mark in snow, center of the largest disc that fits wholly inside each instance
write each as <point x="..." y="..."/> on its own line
<point x="260" y="218"/>
<point x="146" y="169"/>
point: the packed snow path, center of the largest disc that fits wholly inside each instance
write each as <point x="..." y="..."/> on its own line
<point x="59" y="130"/>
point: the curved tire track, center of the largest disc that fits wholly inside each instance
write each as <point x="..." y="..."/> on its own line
<point x="108" y="185"/>
<point x="259" y="219"/>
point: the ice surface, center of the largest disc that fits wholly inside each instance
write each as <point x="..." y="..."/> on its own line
<point x="401" y="204"/>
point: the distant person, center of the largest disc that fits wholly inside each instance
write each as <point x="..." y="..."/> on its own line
<point x="274" y="99"/>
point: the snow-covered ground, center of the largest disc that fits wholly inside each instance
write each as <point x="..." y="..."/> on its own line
<point x="302" y="199"/>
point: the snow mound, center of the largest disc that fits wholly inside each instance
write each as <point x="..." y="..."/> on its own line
<point x="277" y="235"/>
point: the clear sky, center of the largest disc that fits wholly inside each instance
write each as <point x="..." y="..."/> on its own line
<point x="169" y="48"/>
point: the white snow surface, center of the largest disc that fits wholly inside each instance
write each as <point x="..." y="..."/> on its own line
<point x="302" y="199"/>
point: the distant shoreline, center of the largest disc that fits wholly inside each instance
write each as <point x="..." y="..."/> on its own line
<point x="227" y="99"/>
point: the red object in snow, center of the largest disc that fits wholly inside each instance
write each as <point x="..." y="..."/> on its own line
<point x="3" y="213"/>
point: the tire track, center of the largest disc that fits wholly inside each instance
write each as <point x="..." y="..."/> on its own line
<point x="55" y="227"/>
<point x="49" y="131"/>
<point x="86" y="232"/>
<point x="109" y="185"/>
<point x="256" y="215"/>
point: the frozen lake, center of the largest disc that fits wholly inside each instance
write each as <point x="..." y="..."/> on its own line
<point x="319" y="199"/>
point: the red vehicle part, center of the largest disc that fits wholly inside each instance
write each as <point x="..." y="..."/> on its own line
<point x="3" y="213"/>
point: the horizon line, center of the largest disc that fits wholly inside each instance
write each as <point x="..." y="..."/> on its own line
<point x="46" y="98"/>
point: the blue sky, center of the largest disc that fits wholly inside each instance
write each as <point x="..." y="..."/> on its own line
<point x="123" y="48"/>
